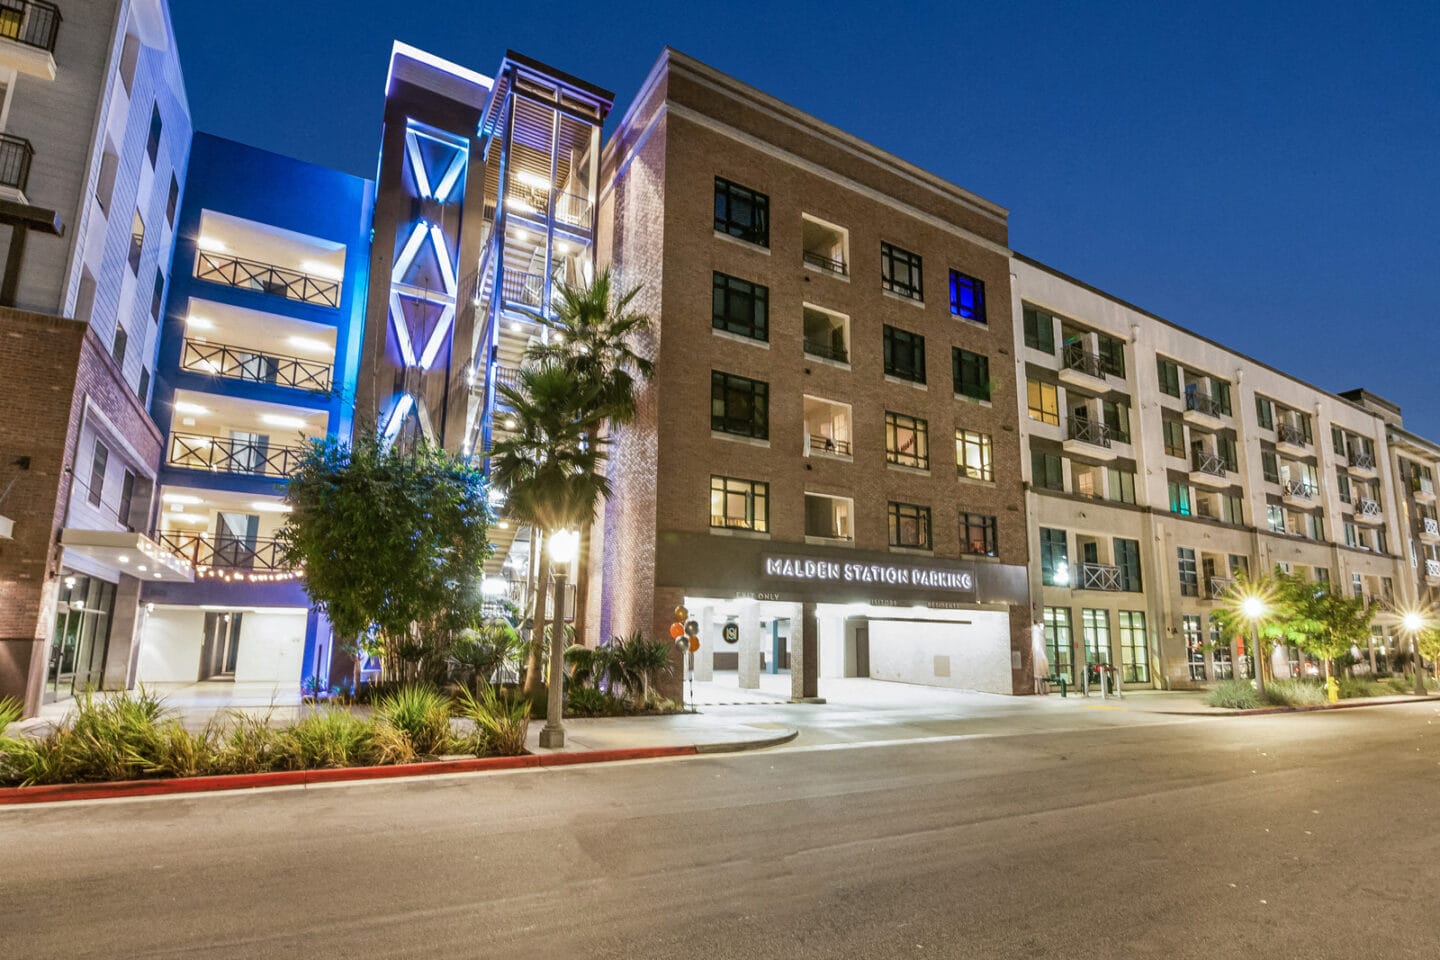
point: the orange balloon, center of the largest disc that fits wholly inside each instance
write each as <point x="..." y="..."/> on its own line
<point x="677" y="630"/>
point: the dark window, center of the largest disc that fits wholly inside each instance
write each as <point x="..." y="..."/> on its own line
<point x="98" y="461"/>
<point x="1122" y="485"/>
<point x="1169" y="375"/>
<point x="1342" y="484"/>
<point x="967" y="297"/>
<point x="741" y="212"/>
<point x="739" y="405"/>
<point x="157" y="298"/>
<point x="1189" y="574"/>
<point x="1111" y="352"/>
<point x="741" y="307"/>
<point x="739" y="504"/>
<point x="137" y="242"/>
<point x="172" y="202"/>
<point x="1220" y="393"/>
<point x="1269" y="466"/>
<point x="1054" y="557"/>
<point x="1264" y="412"/>
<point x="1048" y="470"/>
<point x="152" y="146"/>
<point x="1229" y="455"/>
<point x="1039" y="330"/>
<point x="1116" y="417"/>
<point x="972" y="374"/>
<point x="143" y="389"/>
<point x="900" y="272"/>
<point x="127" y="497"/>
<point x="122" y="340"/>
<point x="1134" y="653"/>
<point x="909" y="525"/>
<point x="977" y="535"/>
<point x="904" y="354"/>
<point x="1174" y="432"/>
<point x="907" y="441"/>
<point x="1127" y="559"/>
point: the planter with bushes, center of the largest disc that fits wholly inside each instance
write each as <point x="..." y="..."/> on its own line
<point x="1242" y="695"/>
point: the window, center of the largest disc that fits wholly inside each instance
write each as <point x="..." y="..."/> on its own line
<point x="1121" y="485"/>
<point x="1194" y="646"/>
<point x="739" y="405"/>
<point x="829" y="517"/>
<point x="904" y="354"/>
<point x="900" y="272"/>
<point x="1043" y="402"/>
<point x="1352" y="535"/>
<point x="1314" y="526"/>
<point x="1111" y="352"/>
<point x="143" y="389"/>
<point x="1169" y="374"/>
<point x="1269" y="466"/>
<point x="1127" y="559"/>
<point x="739" y="504"/>
<point x="1047" y="471"/>
<point x="1220" y="393"/>
<point x="172" y="202"/>
<point x="973" y="455"/>
<point x="909" y="525"/>
<point x="157" y="298"/>
<point x="1039" y="330"/>
<point x="1179" y="498"/>
<point x="1233" y="509"/>
<point x="117" y="349"/>
<point x="1174" y="432"/>
<point x="1189" y="573"/>
<point x="127" y="498"/>
<point x="1342" y="484"/>
<point x="1225" y="445"/>
<point x="1134" y="655"/>
<point x="971" y="372"/>
<point x="741" y="212"/>
<point x="152" y="146"/>
<point x="1057" y="641"/>
<point x="1337" y="439"/>
<point x="98" y="461"/>
<point x="967" y="297"/>
<point x="1220" y="652"/>
<point x="1116" y="417"/>
<point x="907" y="441"/>
<point x="740" y="307"/>
<point x="977" y="535"/>
<point x="1264" y="412"/>
<point x="1275" y="517"/>
<point x="1095" y="630"/>
<point x="137" y="242"/>
<point x="1054" y="558"/>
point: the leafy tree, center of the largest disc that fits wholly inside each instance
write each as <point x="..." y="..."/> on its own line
<point x="390" y="541"/>
<point x="1321" y="621"/>
<point x="486" y="648"/>
<point x="1263" y="633"/>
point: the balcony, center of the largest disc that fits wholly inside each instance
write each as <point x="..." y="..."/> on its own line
<point x="207" y="552"/>
<point x="828" y="519"/>
<point x="16" y="155"/>
<point x="1298" y="493"/>
<point x="1368" y="511"/>
<point x="28" y="30"/>
<point x="245" y="274"/>
<point x="827" y="428"/>
<point x="1423" y="488"/>
<point x="826" y="445"/>
<point x="523" y="289"/>
<point x="825" y="246"/>
<point x="508" y="377"/>
<point x="1099" y="576"/>
<point x="1088" y="438"/>
<point x="252" y="457"/>
<point x="1432" y="572"/>
<point x="1208" y="470"/>
<point x="236" y="363"/>
<point x="826" y="335"/>
<point x="1217" y="587"/>
<point x="1083" y="369"/>
<point x="1362" y="465"/>
<point x="1429" y="529"/>
<point x="1203" y="410"/>
<point x="827" y="264"/>
<point x="1290" y="440"/>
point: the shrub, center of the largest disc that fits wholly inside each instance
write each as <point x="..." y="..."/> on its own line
<point x="1401" y="683"/>
<point x="1233" y="695"/>
<point x="580" y="662"/>
<point x="119" y="737"/>
<point x="589" y="702"/>
<point x="633" y="662"/>
<point x="1351" y="687"/>
<point x="180" y="753"/>
<point x="501" y="722"/>
<point x="11" y="710"/>
<point x="327" y="738"/>
<point x="1294" y="693"/>
<point x="246" y="744"/>
<point x="420" y="712"/>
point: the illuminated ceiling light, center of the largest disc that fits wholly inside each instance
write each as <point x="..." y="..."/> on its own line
<point x="270" y="506"/>
<point x="533" y="180"/>
<point x="561" y="246"/>
<point x="142" y="568"/>
<point x="211" y="245"/>
<point x="325" y="271"/>
<point x="520" y="204"/>
<point x="281" y="420"/>
<point x="123" y="558"/>
<point x="181" y="498"/>
<point x="517" y="326"/>
<point x="199" y="323"/>
<point x="190" y="409"/>
<point x="509" y="423"/>
<point x="157" y="574"/>
<point x="522" y="235"/>
<point x="311" y="344"/>
<point x="503" y="524"/>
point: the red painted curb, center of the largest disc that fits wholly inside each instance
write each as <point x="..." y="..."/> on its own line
<point x="52" y="793"/>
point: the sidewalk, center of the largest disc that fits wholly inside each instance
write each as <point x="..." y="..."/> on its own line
<point x="710" y="732"/>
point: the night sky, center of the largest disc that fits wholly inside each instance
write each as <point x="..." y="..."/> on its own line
<point x="1270" y="179"/>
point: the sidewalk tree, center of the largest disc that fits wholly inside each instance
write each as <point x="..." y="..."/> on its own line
<point x="1254" y="608"/>
<point x="1322" y="622"/>
<point x="390" y="541"/>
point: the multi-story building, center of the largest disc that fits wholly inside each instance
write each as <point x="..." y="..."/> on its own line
<point x="1159" y="465"/>
<point x="94" y="139"/>
<point x="261" y="352"/>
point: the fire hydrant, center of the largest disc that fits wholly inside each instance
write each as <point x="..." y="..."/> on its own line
<point x="1332" y="690"/>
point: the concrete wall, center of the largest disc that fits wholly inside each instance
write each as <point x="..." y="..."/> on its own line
<point x="975" y="655"/>
<point x="170" y="646"/>
<point x="272" y="646"/>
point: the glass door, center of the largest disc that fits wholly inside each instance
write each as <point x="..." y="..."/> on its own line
<point x="81" y="637"/>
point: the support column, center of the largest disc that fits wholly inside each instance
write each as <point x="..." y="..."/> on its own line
<point x="709" y="638"/>
<point x="126" y="625"/>
<point x="805" y="655"/>
<point x="749" y="668"/>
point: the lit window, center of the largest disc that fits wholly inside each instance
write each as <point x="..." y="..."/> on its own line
<point x="978" y="535"/>
<point x="967" y="297"/>
<point x="909" y="525"/>
<point x="974" y="455"/>
<point x="1043" y="402"/>
<point x="739" y="504"/>
<point x="907" y="441"/>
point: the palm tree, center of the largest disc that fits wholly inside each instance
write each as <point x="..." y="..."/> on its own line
<point x="549" y="467"/>
<point x="594" y="335"/>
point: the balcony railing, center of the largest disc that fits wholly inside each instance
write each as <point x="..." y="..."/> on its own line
<point x="1366" y="507"/>
<point x="526" y="289"/>
<point x="267" y="278"/>
<point x="31" y="22"/>
<point x="237" y="363"/>
<point x="1204" y="403"/>
<point x="1300" y="489"/>
<point x="206" y="551"/>
<point x="573" y="210"/>
<point x="1422" y="485"/>
<point x="1429" y="527"/>
<point x="1089" y="431"/>
<point x="1077" y="358"/>
<point x="828" y="264"/>
<point x="1432" y="568"/>
<point x="1217" y="587"/>
<point x="827" y="350"/>
<point x="1285" y="433"/>
<point x="827" y="445"/>
<point x="1209" y="463"/>
<point x="1099" y="576"/>
<point x="232" y="455"/>
<point x="16" y="155"/>
<point x="1361" y="461"/>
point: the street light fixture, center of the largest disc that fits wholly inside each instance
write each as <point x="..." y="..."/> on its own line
<point x="1254" y="609"/>
<point x="1413" y="622"/>
<point x="563" y="545"/>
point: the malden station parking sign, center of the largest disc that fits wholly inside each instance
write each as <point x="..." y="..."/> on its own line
<point x="899" y="575"/>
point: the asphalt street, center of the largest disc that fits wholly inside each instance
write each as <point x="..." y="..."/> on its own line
<point x="1068" y="831"/>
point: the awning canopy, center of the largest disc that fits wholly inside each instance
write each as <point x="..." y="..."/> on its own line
<point x="131" y="553"/>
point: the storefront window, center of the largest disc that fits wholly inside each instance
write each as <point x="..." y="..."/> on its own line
<point x="1134" y="652"/>
<point x="1057" y="642"/>
<point x="81" y="637"/>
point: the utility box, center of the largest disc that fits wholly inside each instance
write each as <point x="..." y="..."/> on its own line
<point x="7" y="528"/>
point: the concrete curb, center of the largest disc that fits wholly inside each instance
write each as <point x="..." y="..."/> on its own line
<point x="1311" y="708"/>
<point x="54" y="793"/>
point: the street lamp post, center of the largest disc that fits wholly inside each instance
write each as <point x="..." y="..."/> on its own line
<point x="1413" y="622"/>
<point x="1253" y="610"/>
<point x="562" y="548"/>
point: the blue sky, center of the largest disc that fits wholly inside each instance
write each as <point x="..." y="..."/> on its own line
<point x="1267" y="174"/>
